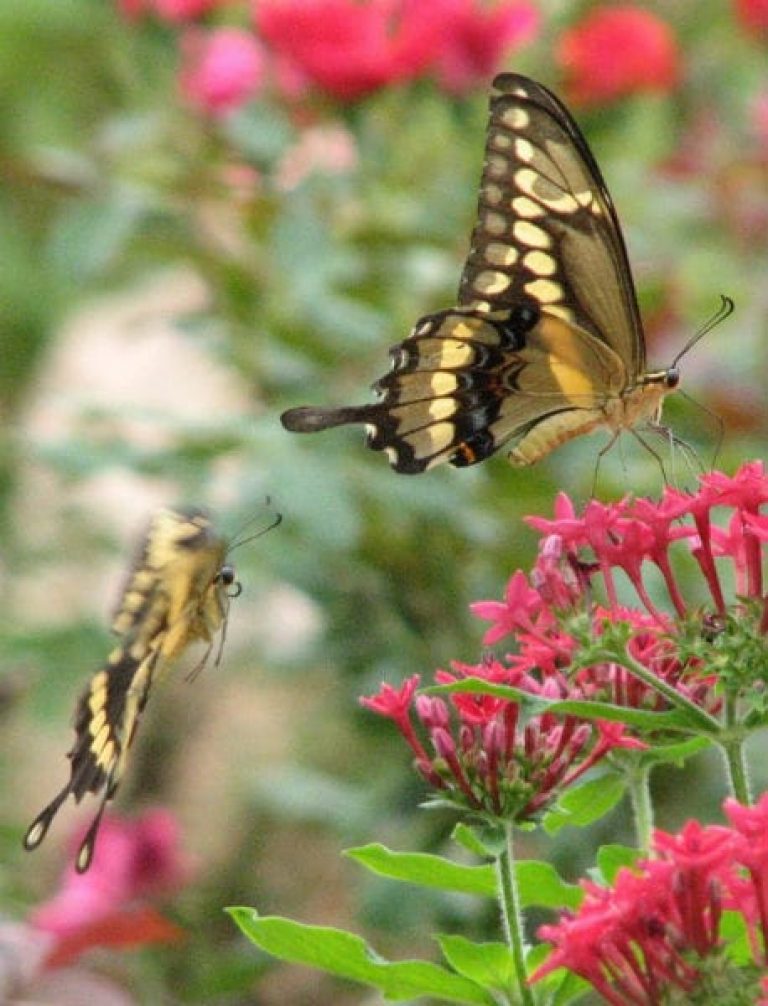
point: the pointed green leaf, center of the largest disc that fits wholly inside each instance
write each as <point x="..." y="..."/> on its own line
<point x="611" y="858"/>
<point x="540" y="884"/>
<point x="427" y="870"/>
<point x="348" y="956"/>
<point x="533" y="704"/>
<point x="481" y="840"/>
<point x="488" y="964"/>
<point x="584" y="804"/>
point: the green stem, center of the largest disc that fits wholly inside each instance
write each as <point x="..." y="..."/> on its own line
<point x="511" y="915"/>
<point x="708" y="723"/>
<point x="642" y="808"/>
<point x="735" y="757"/>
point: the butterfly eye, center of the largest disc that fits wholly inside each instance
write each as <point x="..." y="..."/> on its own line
<point x="672" y="378"/>
<point x="226" y="577"/>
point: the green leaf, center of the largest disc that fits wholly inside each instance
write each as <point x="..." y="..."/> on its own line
<point x="488" y="964"/>
<point x="674" y="753"/>
<point x="348" y="956"/>
<point x="534" y="704"/>
<point x="540" y="884"/>
<point x="426" y="870"/>
<point x="611" y="858"/>
<point x="584" y="804"/>
<point x="480" y="840"/>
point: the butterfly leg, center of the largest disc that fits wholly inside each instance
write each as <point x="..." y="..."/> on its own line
<point x="653" y="453"/>
<point x="600" y="455"/>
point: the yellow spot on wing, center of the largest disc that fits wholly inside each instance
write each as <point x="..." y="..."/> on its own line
<point x="546" y="291"/>
<point x="491" y="282"/>
<point x="527" y="208"/>
<point x="500" y="254"/>
<point x="531" y="235"/>
<point x="540" y="263"/>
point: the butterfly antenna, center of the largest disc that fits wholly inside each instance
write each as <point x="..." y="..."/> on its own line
<point x="278" y="519"/>
<point x="725" y="310"/>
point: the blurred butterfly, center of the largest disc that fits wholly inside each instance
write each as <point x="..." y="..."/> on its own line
<point x="546" y="342"/>
<point x="177" y="593"/>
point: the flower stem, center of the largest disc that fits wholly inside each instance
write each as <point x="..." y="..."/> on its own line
<point x="511" y="916"/>
<point x="642" y="807"/>
<point x="705" y="720"/>
<point x="735" y="759"/>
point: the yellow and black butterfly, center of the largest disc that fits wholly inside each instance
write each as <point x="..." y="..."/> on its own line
<point x="546" y="342"/>
<point x="177" y="593"/>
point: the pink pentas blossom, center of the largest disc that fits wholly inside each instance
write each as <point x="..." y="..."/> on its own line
<point x="477" y="36"/>
<point x="221" y="69"/>
<point x="135" y="861"/>
<point x="617" y="51"/>
<point x="646" y="939"/>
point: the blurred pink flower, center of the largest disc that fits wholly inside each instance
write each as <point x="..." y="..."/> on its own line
<point x="477" y="37"/>
<point x="221" y="69"/>
<point x="350" y="49"/>
<point x="134" y="860"/>
<point x="616" y="51"/>
<point x="753" y="14"/>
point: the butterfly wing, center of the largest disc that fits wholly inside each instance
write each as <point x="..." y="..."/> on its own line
<point x="547" y="329"/>
<point x="171" y="598"/>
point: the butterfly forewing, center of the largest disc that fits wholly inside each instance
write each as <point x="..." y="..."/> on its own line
<point x="546" y="228"/>
<point x="172" y="597"/>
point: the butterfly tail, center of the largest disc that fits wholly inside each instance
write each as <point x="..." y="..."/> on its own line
<point x="37" y="831"/>
<point x="309" y="419"/>
<point x="87" y="848"/>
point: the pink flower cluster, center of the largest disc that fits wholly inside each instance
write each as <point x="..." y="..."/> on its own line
<point x="656" y="931"/>
<point x="482" y="752"/>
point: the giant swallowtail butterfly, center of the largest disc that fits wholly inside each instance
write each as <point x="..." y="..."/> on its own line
<point x="177" y="593"/>
<point x="546" y="341"/>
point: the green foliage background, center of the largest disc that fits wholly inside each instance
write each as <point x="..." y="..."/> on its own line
<point x="111" y="190"/>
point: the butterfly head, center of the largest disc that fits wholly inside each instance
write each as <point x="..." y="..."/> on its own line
<point x="226" y="578"/>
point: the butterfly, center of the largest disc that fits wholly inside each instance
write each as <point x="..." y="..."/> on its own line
<point x="546" y="341"/>
<point x="177" y="593"/>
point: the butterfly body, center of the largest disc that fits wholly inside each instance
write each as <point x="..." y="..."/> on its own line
<point x="546" y="341"/>
<point x="176" y="594"/>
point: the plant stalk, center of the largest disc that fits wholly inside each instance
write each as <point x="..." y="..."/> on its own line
<point x="511" y="915"/>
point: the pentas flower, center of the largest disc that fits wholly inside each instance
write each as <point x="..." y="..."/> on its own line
<point x="654" y="937"/>
<point x="484" y="754"/>
<point x="221" y="69"/>
<point x="110" y="905"/>
<point x="476" y="37"/>
<point x="617" y="51"/>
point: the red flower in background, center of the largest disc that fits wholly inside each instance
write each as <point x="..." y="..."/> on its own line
<point x="348" y="48"/>
<point x="476" y="38"/>
<point x="221" y="69"/>
<point x="617" y="51"/>
<point x="753" y="14"/>
<point x="134" y="861"/>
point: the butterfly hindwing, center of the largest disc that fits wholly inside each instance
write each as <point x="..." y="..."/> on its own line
<point x="173" y="596"/>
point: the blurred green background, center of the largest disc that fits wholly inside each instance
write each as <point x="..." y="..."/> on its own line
<point x="169" y="284"/>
